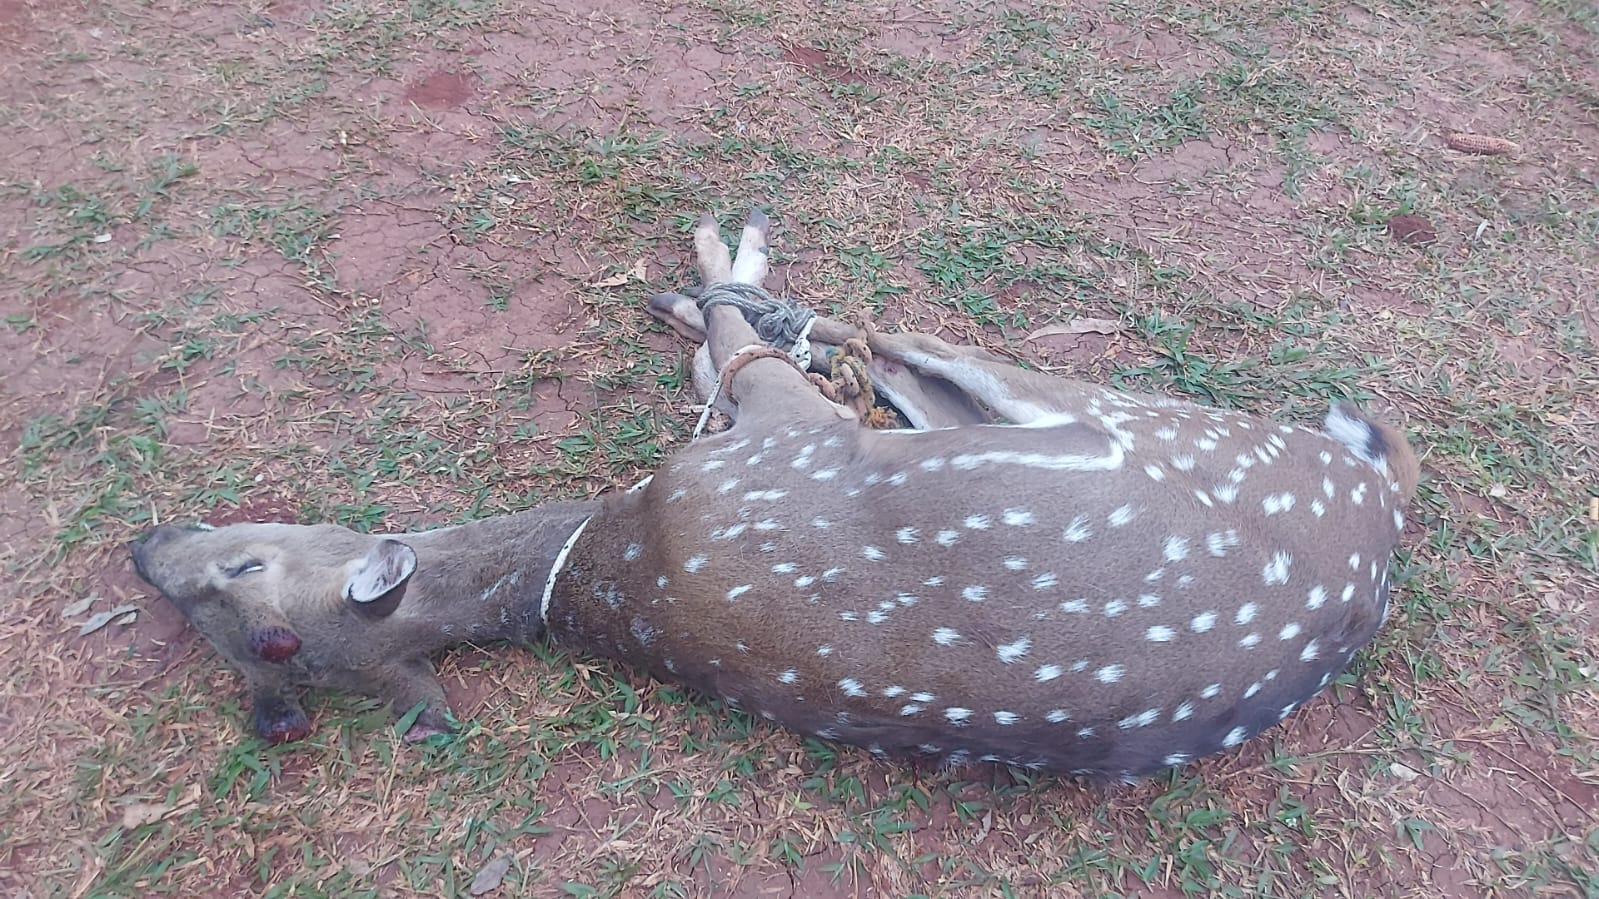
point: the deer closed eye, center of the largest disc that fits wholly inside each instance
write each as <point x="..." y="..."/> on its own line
<point x="243" y="568"/>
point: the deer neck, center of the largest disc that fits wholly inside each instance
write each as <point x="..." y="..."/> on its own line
<point x="484" y="581"/>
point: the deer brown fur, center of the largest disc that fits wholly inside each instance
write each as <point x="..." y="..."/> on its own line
<point x="1106" y="583"/>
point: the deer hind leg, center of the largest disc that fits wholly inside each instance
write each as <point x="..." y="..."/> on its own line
<point x="1024" y="397"/>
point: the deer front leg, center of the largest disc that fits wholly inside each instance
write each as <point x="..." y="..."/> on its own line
<point x="768" y="390"/>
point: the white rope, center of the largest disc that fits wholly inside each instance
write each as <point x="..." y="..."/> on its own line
<point x="555" y="569"/>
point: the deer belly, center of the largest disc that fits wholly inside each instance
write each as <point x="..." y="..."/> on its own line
<point x="1080" y="622"/>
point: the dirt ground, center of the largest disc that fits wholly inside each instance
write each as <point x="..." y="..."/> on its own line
<point x="383" y="264"/>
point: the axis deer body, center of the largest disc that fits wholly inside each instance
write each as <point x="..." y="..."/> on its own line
<point x="1104" y="583"/>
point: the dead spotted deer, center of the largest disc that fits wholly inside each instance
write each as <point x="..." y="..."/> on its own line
<point x="1043" y="573"/>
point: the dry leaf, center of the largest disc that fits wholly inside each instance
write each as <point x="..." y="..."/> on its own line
<point x="78" y="608"/>
<point x="1403" y="771"/>
<point x="488" y="879"/>
<point x="636" y="273"/>
<point x="1593" y="509"/>
<point x="142" y="813"/>
<point x="1080" y="326"/>
<point x="101" y="619"/>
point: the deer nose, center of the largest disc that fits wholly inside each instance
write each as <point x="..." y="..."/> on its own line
<point x="141" y="547"/>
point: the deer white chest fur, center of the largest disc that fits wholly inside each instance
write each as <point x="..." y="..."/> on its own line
<point x="1131" y="587"/>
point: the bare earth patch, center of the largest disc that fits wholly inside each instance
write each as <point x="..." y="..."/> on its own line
<point x="356" y="262"/>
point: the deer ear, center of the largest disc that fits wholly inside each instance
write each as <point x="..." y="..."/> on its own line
<point x="376" y="583"/>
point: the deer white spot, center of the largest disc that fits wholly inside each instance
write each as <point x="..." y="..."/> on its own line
<point x="1183" y="712"/>
<point x="977" y="522"/>
<point x="632" y="552"/>
<point x="1010" y="652"/>
<point x="873" y="554"/>
<point x="784" y="568"/>
<point x="1253" y="689"/>
<point x="695" y="563"/>
<point x="933" y="464"/>
<point x="661" y="582"/>
<point x="1056" y="716"/>
<point x="975" y="593"/>
<point x="1250" y="640"/>
<point x="1246" y="613"/>
<point x="1399" y="520"/>
<point x="1183" y="463"/>
<point x="1317" y="598"/>
<point x="904" y="599"/>
<point x="957" y="715"/>
<point x="1326" y="457"/>
<point x="1348" y="594"/>
<point x="1154" y="576"/>
<point x="1210" y="692"/>
<point x="1354" y="561"/>
<point x="1327" y="487"/>
<point x="1219" y="542"/>
<point x="712" y="464"/>
<point x="1289" y="631"/>
<point x="1006" y="718"/>
<point x="804" y="458"/>
<point x="894" y="691"/>
<point x="1237" y="476"/>
<point x="1176" y="758"/>
<point x="851" y="687"/>
<point x="832" y="574"/>
<point x="825" y="474"/>
<point x="911" y="709"/>
<point x="1234" y="737"/>
<point x="1085" y="732"/>
<point x="906" y="536"/>
<point x="1142" y="719"/>
<point x="826" y="649"/>
<point x="1016" y="517"/>
<point x="738" y="591"/>
<point x="804" y="580"/>
<point x="821" y="523"/>
<point x="1160" y="634"/>
<point x="1167" y="433"/>
<point x="1205" y="444"/>
<point x="1148" y="601"/>
<point x="1276" y="571"/>
<point x="898" y="478"/>
<point x="1317" y="508"/>
<point x="934" y="581"/>
<point x="1114" y="608"/>
<point x="945" y="636"/>
<point x="764" y="495"/>
<point x="788" y="676"/>
<point x="850" y="616"/>
<point x="922" y="697"/>
<point x="1047" y="673"/>
<point x="1226" y="493"/>
<point x="1358" y="495"/>
<point x="1015" y="563"/>
<point x="947" y="538"/>
<point x="1176" y="549"/>
<point x="1155" y="472"/>
<point x="1077" y="531"/>
<point x="1202" y="622"/>
<point x="1076" y="606"/>
<point x="1122" y="515"/>
<point x="1204" y="499"/>
<point x="1110" y="674"/>
<point x="1278" y="503"/>
<point x="1310" y="653"/>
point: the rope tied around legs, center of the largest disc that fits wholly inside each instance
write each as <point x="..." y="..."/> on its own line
<point x="781" y="323"/>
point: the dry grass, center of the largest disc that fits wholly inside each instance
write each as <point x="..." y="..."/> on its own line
<point x="339" y="262"/>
